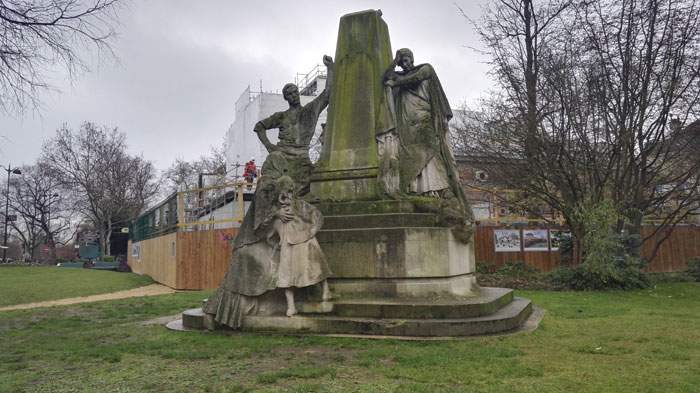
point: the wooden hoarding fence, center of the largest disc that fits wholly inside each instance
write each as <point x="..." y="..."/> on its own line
<point x="682" y="245"/>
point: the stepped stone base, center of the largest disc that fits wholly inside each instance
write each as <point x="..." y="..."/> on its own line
<point x="489" y="301"/>
<point x="494" y="311"/>
<point x="397" y="271"/>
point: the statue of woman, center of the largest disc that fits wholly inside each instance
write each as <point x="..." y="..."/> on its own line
<point x="421" y="114"/>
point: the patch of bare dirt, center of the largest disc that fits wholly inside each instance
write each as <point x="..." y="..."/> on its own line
<point x="148" y="290"/>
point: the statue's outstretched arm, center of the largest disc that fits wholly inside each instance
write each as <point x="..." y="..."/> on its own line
<point x="321" y="102"/>
<point x="330" y="72"/>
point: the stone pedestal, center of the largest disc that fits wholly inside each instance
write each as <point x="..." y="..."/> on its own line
<point x="396" y="255"/>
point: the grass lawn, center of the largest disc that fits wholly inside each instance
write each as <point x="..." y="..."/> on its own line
<point x="640" y="341"/>
<point x="27" y="284"/>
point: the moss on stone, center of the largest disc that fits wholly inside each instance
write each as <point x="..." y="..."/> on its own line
<point x="363" y="53"/>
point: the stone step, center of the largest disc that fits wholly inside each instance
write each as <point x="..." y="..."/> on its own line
<point x="366" y="207"/>
<point x="194" y="319"/>
<point x="372" y="234"/>
<point x="510" y="317"/>
<point x="489" y="301"/>
<point x="384" y="220"/>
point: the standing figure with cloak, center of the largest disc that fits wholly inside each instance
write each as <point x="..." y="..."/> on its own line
<point x="421" y="114"/>
<point x="276" y="245"/>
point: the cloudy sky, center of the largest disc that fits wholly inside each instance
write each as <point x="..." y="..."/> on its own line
<point x="182" y="64"/>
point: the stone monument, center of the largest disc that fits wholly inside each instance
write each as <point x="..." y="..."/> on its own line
<point x="383" y="202"/>
<point x="397" y="220"/>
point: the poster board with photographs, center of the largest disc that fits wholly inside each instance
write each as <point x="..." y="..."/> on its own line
<point x="557" y="236"/>
<point x="535" y="240"/>
<point x="507" y="240"/>
<point x="136" y="250"/>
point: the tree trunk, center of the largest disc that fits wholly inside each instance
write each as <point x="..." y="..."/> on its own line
<point x="108" y="240"/>
<point x="633" y="243"/>
<point x="103" y="240"/>
<point x="530" y="82"/>
<point x="51" y="243"/>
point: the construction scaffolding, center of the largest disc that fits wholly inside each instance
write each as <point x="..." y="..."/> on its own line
<point x="218" y="206"/>
<point x="214" y="207"/>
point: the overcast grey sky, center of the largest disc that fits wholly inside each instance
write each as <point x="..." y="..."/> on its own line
<point x="182" y="64"/>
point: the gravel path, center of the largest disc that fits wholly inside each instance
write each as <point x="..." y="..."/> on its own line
<point x="148" y="290"/>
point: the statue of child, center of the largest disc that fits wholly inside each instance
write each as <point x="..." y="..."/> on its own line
<point x="301" y="261"/>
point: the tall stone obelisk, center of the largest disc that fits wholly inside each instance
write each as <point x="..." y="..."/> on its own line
<point x="347" y="168"/>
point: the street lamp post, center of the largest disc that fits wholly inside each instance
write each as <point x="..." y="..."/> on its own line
<point x="9" y="171"/>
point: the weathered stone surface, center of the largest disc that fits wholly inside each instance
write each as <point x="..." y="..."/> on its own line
<point x="488" y="302"/>
<point x="347" y="168"/>
<point x="395" y="252"/>
<point x="382" y="206"/>
<point x="194" y="319"/>
<point x="322" y="307"/>
<point x="463" y="285"/>
<point x="506" y="318"/>
<point x="388" y="220"/>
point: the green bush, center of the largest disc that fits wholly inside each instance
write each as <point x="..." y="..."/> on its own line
<point x="566" y="250"/>
<point x="694" y="268"/>
<point x="485" y="267"/>
<point x="669" y="277"/>
<point x="606" y="263"/>
<point x="108" y="258"/>
<point x="513" y="274"/>
<point x="587" y="277"/>
<point x="517" y="269"/>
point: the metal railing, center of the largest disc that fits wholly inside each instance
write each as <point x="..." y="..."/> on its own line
<point x="197" y="209"/>
<point x="303" y="80"/>
<point x="203" y="208"/>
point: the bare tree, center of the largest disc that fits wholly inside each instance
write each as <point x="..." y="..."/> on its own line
<point x="183" y="175"/>
<point x="648" y="58"/>
<point x="584" y="105"/>
<point x="39" y="34"/>
<point x="43" y="210"/>
<point x="111" y="187"/>
<point x="524" y="133"/>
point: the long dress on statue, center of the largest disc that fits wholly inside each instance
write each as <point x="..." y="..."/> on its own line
<point x="301" y="261"/>
<point x="268" y="254"/>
